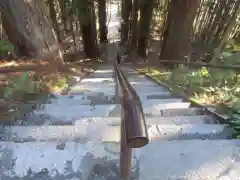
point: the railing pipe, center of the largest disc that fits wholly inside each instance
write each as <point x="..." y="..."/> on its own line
<point x="133" y="125"/>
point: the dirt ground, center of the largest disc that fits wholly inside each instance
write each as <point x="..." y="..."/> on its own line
<point x="53" y="79"/>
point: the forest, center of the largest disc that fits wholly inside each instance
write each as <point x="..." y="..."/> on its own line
<point x="191" y="44"/>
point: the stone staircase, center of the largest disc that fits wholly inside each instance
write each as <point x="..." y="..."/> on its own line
<point x="76" y="136"/>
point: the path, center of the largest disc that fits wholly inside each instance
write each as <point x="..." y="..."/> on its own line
<point x="76" y="136"/>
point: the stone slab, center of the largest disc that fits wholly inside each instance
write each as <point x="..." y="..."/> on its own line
<point x="57" y="160"/>
<point x="155" y="109"/>
<point x="74" y="112"/>
<point x="172" y="160"/>
<point x="190" y="160"/>
<point x="101" y="132"/>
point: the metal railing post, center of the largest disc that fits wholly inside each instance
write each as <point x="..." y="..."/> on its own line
<point x="125" y="156"/>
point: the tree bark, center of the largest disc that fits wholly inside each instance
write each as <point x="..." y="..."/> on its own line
<point x="231" y="24"/>
<point x="53" y="15"/>
<point x="146" y="10"/>
<point x="71" y="20"/>
<point x="212" y="25"/>
<point x="178" y="29"/>
<point x="102" y="17"/>
<point x="29" y="30"/>
<point x="94" y="23"/>
<point x="88" y="28"/>
<point x="126" y="10"/>
<point x="63" y="8"/>
<point x="134" y="24"/>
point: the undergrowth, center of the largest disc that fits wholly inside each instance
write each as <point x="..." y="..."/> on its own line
<point x="31" y="84"/>
<point x="217" y="87"/>
<point x="5" y="47"/>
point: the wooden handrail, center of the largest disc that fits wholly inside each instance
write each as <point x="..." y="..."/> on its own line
<point x="133" y="125"/>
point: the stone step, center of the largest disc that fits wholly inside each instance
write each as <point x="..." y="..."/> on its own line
<point x="74" y="112"/>
<point x="150" y="109"/>
<point x="136" y="78"/>
<point x="190" y="131"/>
<point x="92" y="86"/>
<point x="176" y="120"/>
<point x="109" y="92"/>
<point x="99" y="98"/>
<point x="101" y="75"/>
<point x="192" y="111"/>
<point x="156" y="102"/>
<point x="103" y="89"/>
<point x="97" y="80"/>
<point x="101" y="132"/>
<point x="155" y="95"/>
<point x="106" y="92"/>
<point x="92" y="132"/>
<point x="97" y="83"/>
<point x="213" y="110"/>
<point x="115" y="121"/>
<point x="102" y="71"/>
<point x="143" y="83"/>
<point x="149" y="89"/>
<point x="56" y="160"/>
<point x="83" y="99"/>
<point x="190" y="160"/>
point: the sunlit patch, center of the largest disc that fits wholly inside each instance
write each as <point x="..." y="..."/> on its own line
<point x="104" y="71"/>
<point x="97" y="79"/>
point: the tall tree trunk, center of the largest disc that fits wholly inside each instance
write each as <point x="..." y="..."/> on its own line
<point x="94" y="22"/>
<point x="29" y="29"/>
<point x="54" y="19"/>
<point x="212" y="23"/>
<point x="63" y="7"/>
<point x="88" y="28"/>
<point x="146" y="10"/>
<point x="102" y="17"/>
<point x="71" y="20"/>
<point x="134" y="24"/>
<point x="126" y="11"/>
<point x="227" y="32"/>
<point x="178" y="29"/>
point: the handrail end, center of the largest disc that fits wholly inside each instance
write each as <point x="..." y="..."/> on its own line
<point x="137" y="142"/>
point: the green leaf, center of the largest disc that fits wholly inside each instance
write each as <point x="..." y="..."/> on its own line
<point x="5" y="46"/>
<point x="21" y="82"/>
<point x="7" y="92"/>
<point x="236" y="135"/>
<point x="23" y="79"/>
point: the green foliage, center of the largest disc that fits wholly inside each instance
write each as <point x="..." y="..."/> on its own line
<point x="222" y="87"/>
<point x="234" y="119"/>
<point x="232" y="45"/>
<point x="207" y="85"/>
<point x="182" y="76"/>
<point x="25" y="85"/>
<point x="229" y="58"/>
<point x="20" y="84"/>
<point x="5" y="46"/>
<point x="62" y="82"/>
